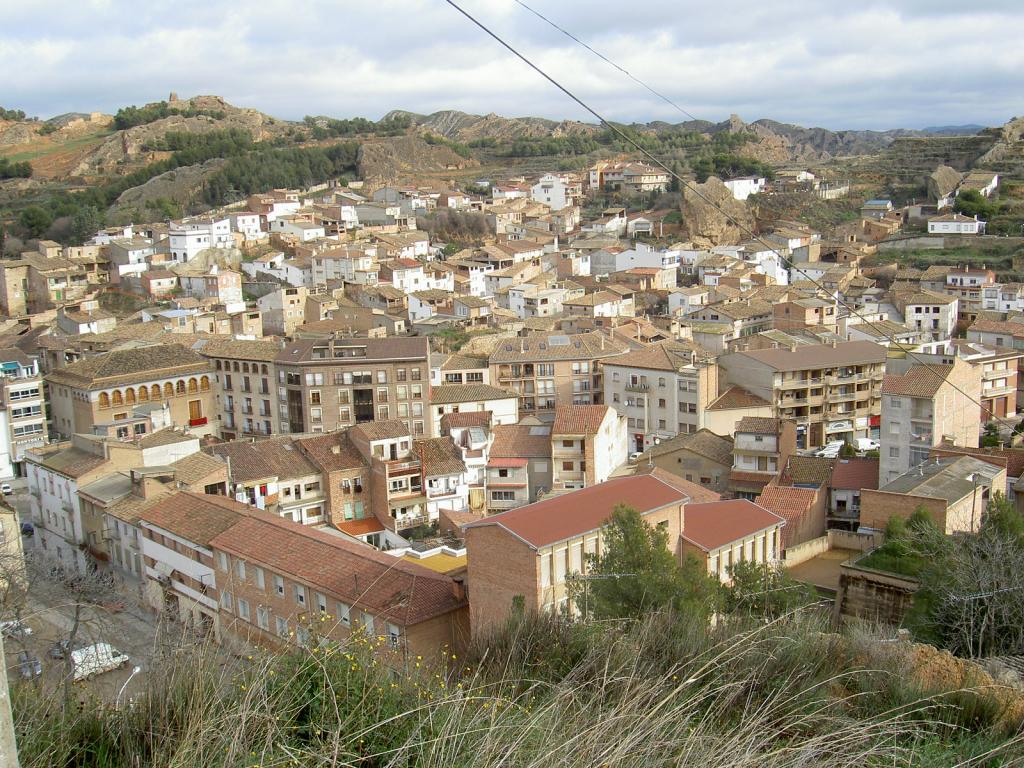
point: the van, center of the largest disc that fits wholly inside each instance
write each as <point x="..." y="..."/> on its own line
<point x="95" y="660"/>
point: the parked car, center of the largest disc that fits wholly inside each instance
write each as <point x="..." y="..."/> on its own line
<point x="15" y="629"/>
<point x="865" y="444"/>
<point x="634" y="457"/>
<point x="29" y="665"/>
<point x="831" y="450"/>
<point x="27" y="529"/>
<point x="6" y="489"/>
<point x="96" y="659"/>
<point x="60" y="649"/>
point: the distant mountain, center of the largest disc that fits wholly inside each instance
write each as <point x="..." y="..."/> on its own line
<point x="954" y="130"/>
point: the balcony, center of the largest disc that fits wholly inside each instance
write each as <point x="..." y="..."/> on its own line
<point x="396" y="467"/>
<point x="200" y="422"/>
<point x="638" y="387"/>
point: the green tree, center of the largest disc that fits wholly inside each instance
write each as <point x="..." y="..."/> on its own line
<point x="636" y="573"/>
<point x="990" y="438"/>
<point x="760" y="589"/>
<point x="85" y="222"/>
<point x="35" y="220"/>
<point x="971" y="202"/>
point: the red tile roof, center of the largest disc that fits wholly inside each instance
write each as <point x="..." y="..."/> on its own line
<point x="758" y="425"/>
<point x="855" y="474"/>
<point x="713" y="525"/>
<point x="464" y="419"/>
<point x="578" y="419"/>
<point x="571" y="514"/>
<point x="196" y="517"/>
<point x="789" y="503"/>
<point x="918" y="381"/>
<point x="737" y="397"/>
<point x="513" y="441"/>
<point x="361" y="527"/>
<point x="388" y="587"/>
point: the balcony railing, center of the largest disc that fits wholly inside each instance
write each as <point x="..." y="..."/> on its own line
<point x="201" y="421"/>
<point x="638" y="387"/>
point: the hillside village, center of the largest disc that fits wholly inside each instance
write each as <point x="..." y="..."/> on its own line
<point x="413" y="406"/>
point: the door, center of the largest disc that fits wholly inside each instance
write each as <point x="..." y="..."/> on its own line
<point x="195" y="410"/>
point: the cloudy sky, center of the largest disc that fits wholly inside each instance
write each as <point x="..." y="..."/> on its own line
<point x="900" y="63"/>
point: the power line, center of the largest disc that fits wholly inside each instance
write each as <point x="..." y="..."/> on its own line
<point x="608" y="61"/>
<point x="731" y="219"/>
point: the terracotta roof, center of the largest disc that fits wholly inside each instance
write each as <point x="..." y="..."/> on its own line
<point x="196" y="467"/>
<point x="789" y="503"/>
<point x="276" y="457"/>
<point x="737" y="397"/>
<point x="759" y="425"/>
<point x="386" y="586"/>
<point x="583" y="346"/>
<point x="241" y="349"/>
<point x="662" y="356"/>
<point x="997" y="326"/>
<point x="918" y="381"/>
<point x="521" y="441"/>
<point x="857" y="473"/>
<point x="383" y="430"/>
<point x="459" y="362"/>
<point x="161" y="437"/>
<point x="817" y="355"/>
<point x="717" y="523"/>
<point x="439" y="456"/>
<point x="1010" y="458"/>
<point x="71" y="462"/>
<point x="698" y="493"/>
<point x="507" y="463"/>
<point x="360" y="527"/>
<point x="468" y="393"/>
<point x="462" y="419"/>
<point x="578" y="419"/>
<point x="130" y="365"/>
<point x="196" y="517"/>
<point x="703" y="442"/>
<point x="332" y="451"/>
<point x="759" y="479"/>
<point x="808" y="470"/>
<point x="391" y="348"/>
<point x="570" y="514"/>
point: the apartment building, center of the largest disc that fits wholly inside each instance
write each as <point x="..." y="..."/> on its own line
<point x="329" y="384"/>
<point x="662" y="390"/>
<point x="744" y="317"/>
<point x="832" y="391"/>
<point x="933" y="315"/>
<point x="532" y="553"/>
<point x="245" y="376"/>
<point x="924" y="407"/>
<point x="22" y="410"/>
<point x="722" y="534"/>
<point x="544" y="369"/>
<point x="588" y="443"/>
<point x="502" y="405"/>
<point x="118" y="385"/>
<point x="397" y="496"/>
<point x="761" y="448"/>
<point x="518" y="465"/>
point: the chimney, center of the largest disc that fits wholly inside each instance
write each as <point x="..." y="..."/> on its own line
<point x="458" y="589"/>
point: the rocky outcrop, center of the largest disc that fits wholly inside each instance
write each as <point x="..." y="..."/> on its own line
<point x="1007" y="152"/>
<point x="464" y="127"/>
<point x="12" y="134"/>
<point x="182" y="186"/>
<point x="389" y="161"/>
<point x="709" y="211"/>
<point x="943" y="181"/>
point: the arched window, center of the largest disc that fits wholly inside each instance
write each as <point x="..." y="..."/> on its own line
<point x="168" y="389"/>
<point x="193" y="386"/>
<point x="204" y="383"/>
<point x="104" y="400"/>
<point x="236" y="366"/>
<point x="155" y="389"/>
<point x="245" y="367"/>
<point x="264" y="369"/>
<point x="218" y="365"/>
<point x="116" y="398"/>
<point x="143" y="394"/>
<point x="180" y="387"/>
<point x="129" y="395"/>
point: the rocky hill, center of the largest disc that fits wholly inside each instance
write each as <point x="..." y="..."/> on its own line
<point x="402" y="159"/>
<point x="464" y="127"/>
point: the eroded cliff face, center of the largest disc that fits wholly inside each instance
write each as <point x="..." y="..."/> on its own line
<point x="704" y="208"/>
<point x="387" y="161"/>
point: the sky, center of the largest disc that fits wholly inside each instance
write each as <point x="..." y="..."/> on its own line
<point x="877" y="65"/>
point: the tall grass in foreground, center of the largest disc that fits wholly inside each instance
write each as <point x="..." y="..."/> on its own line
<point x="665" y="692"/>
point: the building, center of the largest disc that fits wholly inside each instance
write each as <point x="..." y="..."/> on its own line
<point x="189" y="237"/>
<point x="700" y="457"/>
<point x="543" y="370"/>
<point x="761" y="448"/>
<point x="518" y="465"/>
<point x="501" y="404"/>
<point x="723" y="533"/>
<point x="662" y="390"/>
<point x="283" y="310"/>
<point x="328" y="384"/>
<point x="22" y="410"/>
<point x="245" y="398"/>
<point x="955" y="224"/>
<point x="530" y="555"/>
<point x="832" y="391"/>
<point x="118" y="385"/>
<point x="954" y="491"/>
<point x="850" y="477"/>
<point x="933" y="315"/>
<point x="723" y="413"/>
<point x="922" y="408"/>
<point x="588" y="443"/>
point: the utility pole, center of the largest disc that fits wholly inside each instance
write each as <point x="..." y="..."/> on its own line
<point x="8" y="742"/>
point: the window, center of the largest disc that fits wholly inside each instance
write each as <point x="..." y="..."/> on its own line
<point x="300" y="594"/>
<point x="567" y="466"/>
<point x="321" y="602"/>
<point x="314" y="397"/>
<point x="259" y="579"/>
<point x="394" y="634"/>
<point x="343" y="610"/>
<point x="895" y="402"/>
<point x="222" y="561"/>
<point x="367" y="617"/>
<point x="225" y="601"/>
<point x="243" y="609"/>
<point x="503" y="496"/>
<point x="382" y="377"/>
<point x="282" y="627"/>
<point x="263" y="618"/>
<point x="279" y="585"/>
<point x="894" y="452"/>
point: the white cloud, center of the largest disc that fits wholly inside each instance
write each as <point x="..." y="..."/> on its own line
<point x="875" y="65"/>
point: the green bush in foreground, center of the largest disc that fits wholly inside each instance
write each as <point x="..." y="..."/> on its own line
<point x="661" y="691"/>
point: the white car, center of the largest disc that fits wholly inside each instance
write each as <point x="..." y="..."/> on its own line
<point x="96" y="659"/>
<point x="634" y="457"/>
<point x="831" y="450"/>
<point x="6" y="489"/>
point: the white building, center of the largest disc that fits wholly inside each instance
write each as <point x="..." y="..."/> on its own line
<point x="300" y="228"/>
<point x="745" y="186"/>
<point x="23" y="411"/>
<point x="188" y="237"/>
<point x="248" y="225"/>
<point x="955" y="224"/>
<point x="553" y="192"/>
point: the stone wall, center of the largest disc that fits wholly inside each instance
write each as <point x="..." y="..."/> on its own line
<point x="873" y="595"/>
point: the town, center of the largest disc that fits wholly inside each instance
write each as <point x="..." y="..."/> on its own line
<point x="410" y="410"/>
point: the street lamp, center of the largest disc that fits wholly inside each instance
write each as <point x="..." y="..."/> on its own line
<point x="117" y="701"/>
